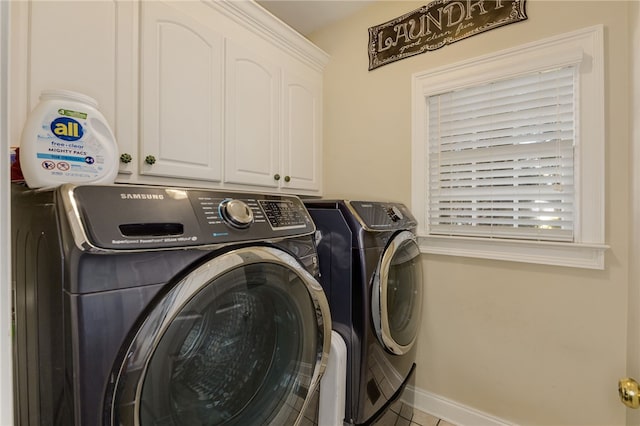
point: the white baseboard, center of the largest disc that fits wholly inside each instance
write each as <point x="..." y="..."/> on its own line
<point x="451" y="411"/>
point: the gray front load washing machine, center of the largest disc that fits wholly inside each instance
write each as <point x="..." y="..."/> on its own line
<point x="142" y="305"/>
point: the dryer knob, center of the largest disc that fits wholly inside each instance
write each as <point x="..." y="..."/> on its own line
<point x="236" y="213"/>
<point x="395" y="214"/>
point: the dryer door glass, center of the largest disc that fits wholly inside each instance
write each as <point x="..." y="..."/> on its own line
<point x="397" y="294"/>
<point x="238" y="341"/>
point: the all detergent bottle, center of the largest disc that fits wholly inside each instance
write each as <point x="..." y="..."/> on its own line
<point x="67" y="140"/>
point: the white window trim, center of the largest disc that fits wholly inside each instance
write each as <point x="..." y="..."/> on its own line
<point x="584" y="47"/>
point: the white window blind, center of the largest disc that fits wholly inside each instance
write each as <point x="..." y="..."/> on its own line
<point x="501" y="158"/>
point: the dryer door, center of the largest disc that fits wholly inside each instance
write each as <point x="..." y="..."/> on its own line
<point x="240" y="340"/>
<point x="397" y="294"/>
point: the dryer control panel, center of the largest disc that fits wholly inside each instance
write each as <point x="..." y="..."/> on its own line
<point x="131" y="217"/>
<point x="382" y="216"/>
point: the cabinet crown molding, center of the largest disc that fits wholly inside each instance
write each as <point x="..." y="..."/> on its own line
<point x="251" y="15"/>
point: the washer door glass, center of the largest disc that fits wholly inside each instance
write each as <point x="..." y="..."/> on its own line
<point x="397" y="294"/>
<point x="239" y="341"/>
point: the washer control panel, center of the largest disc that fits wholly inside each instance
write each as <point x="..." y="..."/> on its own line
<point x="283" y="214"/>
<point x="131" y="217"/>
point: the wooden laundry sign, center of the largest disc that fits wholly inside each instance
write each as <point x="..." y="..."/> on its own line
<point x="437" y="24"/>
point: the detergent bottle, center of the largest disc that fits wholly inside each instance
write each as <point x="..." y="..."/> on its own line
<point x="67" y="140"/>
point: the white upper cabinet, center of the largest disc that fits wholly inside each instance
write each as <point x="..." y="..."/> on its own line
<point x="273" y="123"/>
<point x="273" y="108"/>
<point x="181" y="95"/>
<point x="231" y="96"/>
<point x="208" y="93"/>
<point x="302" y="133"/>
<point x="252" y="128"/>
<point x="87" y="47"/>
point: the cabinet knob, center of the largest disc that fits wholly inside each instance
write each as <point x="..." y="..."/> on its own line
<point x="287" y="179"/>
<point x="276" y="176"/>
<point x="150" y="159"/>
<point x="126" y="158"/>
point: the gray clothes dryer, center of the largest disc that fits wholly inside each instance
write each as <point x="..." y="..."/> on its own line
<point x="140" y="305"/>
<point x="372" y="275"/>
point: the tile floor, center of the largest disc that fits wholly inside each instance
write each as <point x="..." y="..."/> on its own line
<point x="402" y="414"/>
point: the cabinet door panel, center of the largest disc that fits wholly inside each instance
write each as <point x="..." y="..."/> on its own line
<point x="251" y="124"/>
<point x="302" y="133"/>
<point x="71" y="53"/>
<point x="54" y="49"/>
<point x="181" y="95"/>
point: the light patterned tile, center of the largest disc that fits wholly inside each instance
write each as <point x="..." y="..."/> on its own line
<point x="420" y="418"/>
<point x="423" y="419"/>
<point x="406" y="411"/>
<point x="388" y="419"/>
<point x="403" y="422"/>
<point x="396" y="407"/>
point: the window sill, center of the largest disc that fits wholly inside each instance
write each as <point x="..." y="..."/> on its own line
<point x="575" y="255"/>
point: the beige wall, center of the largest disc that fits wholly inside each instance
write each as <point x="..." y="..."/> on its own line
<point x="529" y="344"/>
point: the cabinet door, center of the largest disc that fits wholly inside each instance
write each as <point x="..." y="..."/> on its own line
<point x="181" y="102"/>
<point x="252" y="118"/>
<point x="302" y="132"/>
<point x="81" y="46"/>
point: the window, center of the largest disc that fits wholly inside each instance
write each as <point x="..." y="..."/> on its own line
<point x="501" y="158"/>
<point x="508" y="154"/>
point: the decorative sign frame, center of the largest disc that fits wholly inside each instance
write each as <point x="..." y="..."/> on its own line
<point x="437" y="24"/>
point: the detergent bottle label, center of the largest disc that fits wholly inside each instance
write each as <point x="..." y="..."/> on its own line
<point x="66" y="147"/>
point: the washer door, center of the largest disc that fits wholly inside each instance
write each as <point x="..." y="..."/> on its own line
<point x="397" y="294"/>
<point x="241" y="340"/>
